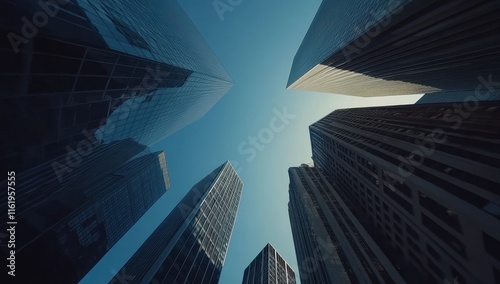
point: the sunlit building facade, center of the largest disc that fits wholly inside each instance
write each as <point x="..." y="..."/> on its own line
<point x="191" y="243"/>
<point x="397" y="47"/>
<point x="331" y="245"/>
<point x="269" y="267"/>
<point x="59" y="239"/>
<point x="423" y="181"/>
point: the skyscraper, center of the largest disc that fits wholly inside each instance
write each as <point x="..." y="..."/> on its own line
<point x="190" y="245"/>
<point x="113" y="69"/>
<point x="457" y="97"/>
<point x="59" y="239"/>
<point x="423" y="180"/>
<point x="397" y="47"/>
<point x="331" y="245"/>
<point x="268" y="267"/>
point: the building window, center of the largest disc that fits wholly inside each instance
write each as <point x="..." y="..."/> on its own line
<point x="412" y="232"/>
<point x="458" y="278"/>
<point x="496" y="275"/>
<point x="492" y="246"/>
<point x="444" y="235"/>
<point x="438" y="210"/>
<point x="396" y="217"/>
<point x="434" y="268"/>
<point x="397" y="228"/>
<point x="433" y="252"/>
<point x="386" y="208"/>
<point x="399" y="200"/>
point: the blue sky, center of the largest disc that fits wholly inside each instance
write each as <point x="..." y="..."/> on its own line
<point x="256" y="42"/>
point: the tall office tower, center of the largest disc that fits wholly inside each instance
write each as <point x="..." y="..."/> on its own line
<point x="190" y="245"/>
<point x="73" y="172"/>
<point x="59" y="239"/>
<point x="268" y="267"/>
<point x="116" y="69"/>
<point x="423" y="180"/>
<point x="331" y="245"/>
<point x="378" y="47"/>
<point x="458" y="97"/>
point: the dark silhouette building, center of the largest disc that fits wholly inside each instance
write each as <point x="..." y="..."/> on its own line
<point x="74" y="69"/>
<point x="423" y="180"/>
<point x="380" y="48"/>
<point x="61" y="237"/>
<point x="458" y="97"/>
<point x="331" y="245"/>
<point x="190" y="245"/>
<point x="268" y="267"/>
<point x="85" y="86"/>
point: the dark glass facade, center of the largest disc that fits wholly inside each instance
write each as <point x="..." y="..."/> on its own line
<point x="59" y="239"/>
<point x="331" y="245"/>
<point x="84" y="87"/>
<point x="268" y="267"/>
<point x="422" y="180"/>
<point x="190" y="245"/>
<point x="378" y="48"/>
<point x="101" y="68"/>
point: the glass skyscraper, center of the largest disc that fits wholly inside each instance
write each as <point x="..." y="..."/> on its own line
<point x="84" y="87"/>
<point x="398" y="47"/>
<point x="268" y="267"/>
<point x="331" y="245"/>
<point x="113" y="69"/>
<point x="423" y="181"/>
<point x="190" y="245"/>
<point x="59" y="239"/>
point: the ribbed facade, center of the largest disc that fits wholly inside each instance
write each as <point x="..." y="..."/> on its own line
<point x="115" y="69"/>
<point x="423" y="180"/>
<point x="457" y="97"/>
<point x="331" y="245"/>
<point x="190" y="245"/>
<point x="60" y="239"/>
<point x="397" y="47"/>
<point x="269" y="267"/>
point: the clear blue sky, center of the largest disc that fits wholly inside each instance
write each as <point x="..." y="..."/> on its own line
<point x="256" y="42"/>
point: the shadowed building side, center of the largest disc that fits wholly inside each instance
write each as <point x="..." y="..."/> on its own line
<point x="423" y="180"/>
<point x="60" y="238"/>
<point x="459" y="97"/>
<point x="331" y="245"/>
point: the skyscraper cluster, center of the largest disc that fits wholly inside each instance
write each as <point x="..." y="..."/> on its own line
<point x="401" y="194"/>
<point x="86" y="87"/>
<point x="395" y="194"/>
